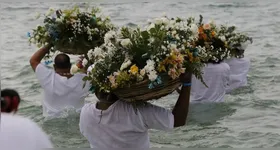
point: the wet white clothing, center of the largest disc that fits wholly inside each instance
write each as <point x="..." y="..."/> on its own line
<point x="239" y="68"/>
<point x="216" y="77"/>
<point x="21" y="133"/>
<point x="60" y="92"/>
<point x="122" y="126"/>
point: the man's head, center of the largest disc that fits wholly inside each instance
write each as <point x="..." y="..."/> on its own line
<point x="10" y="100"/>
<point x="238" y="51"/>
<point x="106" y="97"/>
<point x="62" y="62"/>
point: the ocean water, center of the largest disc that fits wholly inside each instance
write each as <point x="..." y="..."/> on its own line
<point x="248" y="118"/>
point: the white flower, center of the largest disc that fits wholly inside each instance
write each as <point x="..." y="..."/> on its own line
<point x="74" y="69"/>
<point x="90" y="54"/>
<point x="183" y="47"/>
<point x="194" y="29"/>
<point x="96" y="29"/>
<point x="142" y="72"/>
<point x="150" y="66"/>
<point x="165" y="21"/>
<point x="223" y="38"/>
<point x="158" y="21"/>
<point x="212" y="22"/>
<point x="58" y="20"/>
<point x="126" y="42"/>
<point x="90" y="38"/>
<point x="172" y="22"/>
<point x="99" y="23"/>
<point x="125" y="65"/>
<point x="110" y="50"/>
<point x="151" y="26"/>
<point x="151" y="40"/>
<point x="85" y="62"/>
<point x="152" y="75"/>
<point x="177" y="25"/>
<point x="32" y="40"/>
<point x="163" y="47"/>
<point x="173" y="46"/>
<point x="97" y="52"/>
<point x="108" y="36"/>
<point x="88" y="30"/>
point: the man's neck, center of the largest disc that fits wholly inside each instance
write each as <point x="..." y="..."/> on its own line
<point x="65" y="73"/>
<point x="103" y="105"/>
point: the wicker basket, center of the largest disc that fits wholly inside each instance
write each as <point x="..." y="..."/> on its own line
<point x="141" y="92"/>
<point x="75" y="48"/>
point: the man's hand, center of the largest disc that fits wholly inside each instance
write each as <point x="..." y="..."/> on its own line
<point x="35" y="60"/>
<point x="186" y="77"/>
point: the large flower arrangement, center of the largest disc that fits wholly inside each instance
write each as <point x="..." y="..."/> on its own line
<point x="214" y="48"/>
<point x="155" y="55"/>
<point x="71" y="30"/>
<point x="237" y="41"/>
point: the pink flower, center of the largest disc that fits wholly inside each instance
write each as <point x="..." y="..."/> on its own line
<point x="116" y="73"/>
<point x="172" y="73"/>
<point x="206" y="26"/>
<point x="180" y="59"/>
<point x="182" y="70"/>
<point x="112" y="80"/>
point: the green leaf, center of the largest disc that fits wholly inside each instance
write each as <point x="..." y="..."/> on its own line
<point x="86" y="78"/>
<point x="145" y="34"/>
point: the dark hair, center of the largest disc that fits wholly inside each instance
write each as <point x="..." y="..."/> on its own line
<point x="13" y="95"/>
<point x="104" y="96"/>
<point x="62" y="61"/>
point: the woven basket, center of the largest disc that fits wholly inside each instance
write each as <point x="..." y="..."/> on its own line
<point x="141" y="92"/>
<point x="75" y="48"/>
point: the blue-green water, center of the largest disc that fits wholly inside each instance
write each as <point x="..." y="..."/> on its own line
<point x="249" y="117"/>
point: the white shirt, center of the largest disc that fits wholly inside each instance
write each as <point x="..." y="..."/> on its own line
<point x="90" y="68"/>
<point x="21" y="133"/>
<point x="61" y="92"/>
<point x="239" y="68"/>
<point x="216" y="77"/>
<point x="122" y="126"/>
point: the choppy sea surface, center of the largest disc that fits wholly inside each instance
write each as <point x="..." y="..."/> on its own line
<point x="248" y="118"/>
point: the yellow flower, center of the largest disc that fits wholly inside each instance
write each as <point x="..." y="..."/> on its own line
<point x="134" y="69"/>
<point x="190" y="56"/>
<point x="161" y="68"/>
<point x="213" y="33"/>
